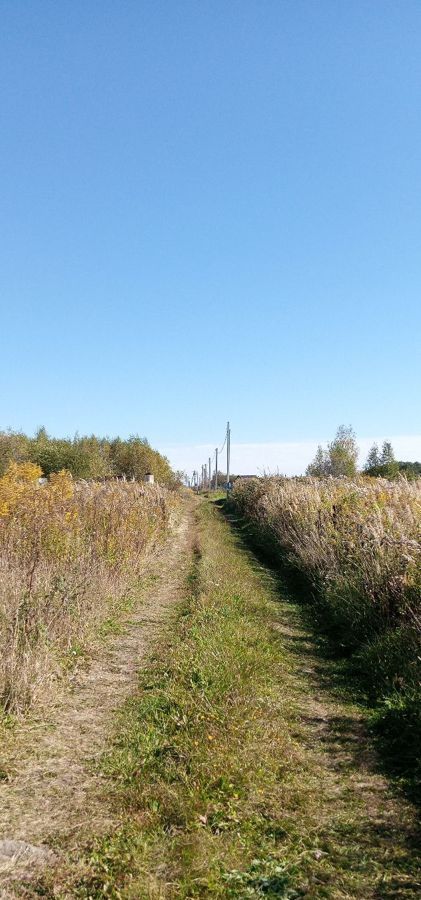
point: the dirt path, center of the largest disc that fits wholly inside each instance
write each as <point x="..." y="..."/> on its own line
<point x="283" y="784"/>
<point x="53" y="791"/>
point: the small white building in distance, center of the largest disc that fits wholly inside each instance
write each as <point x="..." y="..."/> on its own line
<point x="149" y="478"/>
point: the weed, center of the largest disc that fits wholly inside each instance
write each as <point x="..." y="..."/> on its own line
<point x="357" y="542"/>
<point x="70" y="554"/>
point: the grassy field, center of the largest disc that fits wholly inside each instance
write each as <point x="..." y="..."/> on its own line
<point x="234" y="771"/>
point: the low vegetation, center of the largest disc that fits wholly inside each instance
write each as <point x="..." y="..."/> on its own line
<point x="357" y="542"/>
<point x="70" y="554"/>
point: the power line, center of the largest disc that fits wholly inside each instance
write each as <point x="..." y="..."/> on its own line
<point x="206" y="476"/>
<point x="223" y="445"/>
<point x="228" y="457"/>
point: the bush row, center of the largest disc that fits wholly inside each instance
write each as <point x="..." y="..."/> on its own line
<point x="87" y="457"/>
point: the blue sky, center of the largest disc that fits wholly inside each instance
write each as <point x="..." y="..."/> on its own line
<point x="211" y="210"/>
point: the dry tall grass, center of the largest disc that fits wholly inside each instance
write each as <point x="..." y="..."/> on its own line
<point x="358" y="542"/>
<point x="69" y="553"/>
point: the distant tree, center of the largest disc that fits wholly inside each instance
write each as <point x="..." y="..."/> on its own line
<point x="383" y="464"/>
<point x="86" y="457"/>
<point x="320" y="464"/>
<point x="14" y="447"/>
<point x="343" y="452"/>
<point x="388" y="464"/>
<point x="53" y="454"/>
<point x="373" y="459"/>
<point x="135" y="457"/>
<point x="91" y="457"/>
<point x="340" y="458"/>
<point x="411" y="470"/>
<point x="387" y="455"/>
<point x="45" y="453"/>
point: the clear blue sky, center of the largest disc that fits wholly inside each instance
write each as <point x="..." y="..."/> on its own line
<point x="211" y="210"/>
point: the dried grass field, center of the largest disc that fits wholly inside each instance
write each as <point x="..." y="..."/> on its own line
<point x="70" y="554"/>
<point x="182" y="716"/>
<point x="356" y="544"/>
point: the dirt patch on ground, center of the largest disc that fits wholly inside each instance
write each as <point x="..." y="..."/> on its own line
<point x="50" y="789"/>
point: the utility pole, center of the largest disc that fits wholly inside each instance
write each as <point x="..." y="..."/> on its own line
<point x="228" y="456"/>
<point x="210" y="474"/>
<point x="216" y="468"/>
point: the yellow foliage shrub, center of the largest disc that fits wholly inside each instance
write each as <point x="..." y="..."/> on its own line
<point x="18" y="480"/>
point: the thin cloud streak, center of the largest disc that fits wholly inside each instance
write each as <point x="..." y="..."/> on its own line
<point x="287" y="458"/>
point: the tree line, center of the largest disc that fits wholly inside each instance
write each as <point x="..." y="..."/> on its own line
<point x="87" y="457"/>
<point x="341" y="455"/>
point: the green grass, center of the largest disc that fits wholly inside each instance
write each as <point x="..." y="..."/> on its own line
<point x="224" y="781"/>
